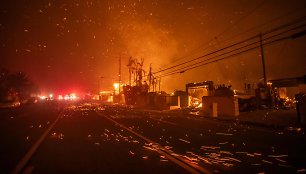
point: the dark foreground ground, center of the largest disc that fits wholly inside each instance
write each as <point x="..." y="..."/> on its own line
<point x="92" y="138"/>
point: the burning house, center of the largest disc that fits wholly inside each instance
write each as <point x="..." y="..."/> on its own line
<point x="196" y="91"/>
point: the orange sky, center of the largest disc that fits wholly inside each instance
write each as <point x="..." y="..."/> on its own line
<point x="68" y="45"/>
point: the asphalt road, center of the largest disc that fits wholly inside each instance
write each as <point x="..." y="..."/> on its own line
<point x="20" y="128"/>
<point x="91" y="138"/>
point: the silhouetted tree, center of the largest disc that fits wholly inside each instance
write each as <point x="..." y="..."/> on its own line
<point x="4" y="83"/>
<point x="16" y="86"/>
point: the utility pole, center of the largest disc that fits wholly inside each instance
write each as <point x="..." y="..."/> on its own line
<point x="119" y="74"/>
<point x="130" y="71"/>
<point x="263" y="60"/>
<point x="150" y="77"/>
<point x="159" y="84"/>
<point x="99" y="86"/>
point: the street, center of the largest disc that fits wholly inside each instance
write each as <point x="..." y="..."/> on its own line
<point x="93" y="138"/>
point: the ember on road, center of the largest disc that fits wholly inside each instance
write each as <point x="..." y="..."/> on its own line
<point x="96" y="138"/>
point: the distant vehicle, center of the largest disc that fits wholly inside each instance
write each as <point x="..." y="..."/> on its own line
<point x="31" y="100"/>
<point x="9" y="104"/>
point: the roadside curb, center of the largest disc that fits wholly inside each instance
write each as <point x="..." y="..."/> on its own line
<point x="285" y="128"/>
<point x="292" y="129"/>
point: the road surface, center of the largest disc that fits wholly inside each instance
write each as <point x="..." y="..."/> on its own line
<point x="83" y="137"/>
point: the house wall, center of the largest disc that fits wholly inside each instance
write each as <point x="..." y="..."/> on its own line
<point x="224" y="105"/>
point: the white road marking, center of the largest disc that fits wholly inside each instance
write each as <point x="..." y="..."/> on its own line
<point x="23" y="162"/>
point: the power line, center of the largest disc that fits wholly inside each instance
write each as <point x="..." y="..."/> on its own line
<point x="249" y="39"/>
<point x="204" y="62"/>
<point x="226" y="57"/>
<point x="207" y="54"/>
<point x="182" y="70"/>
<point x="296" y="21"/>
